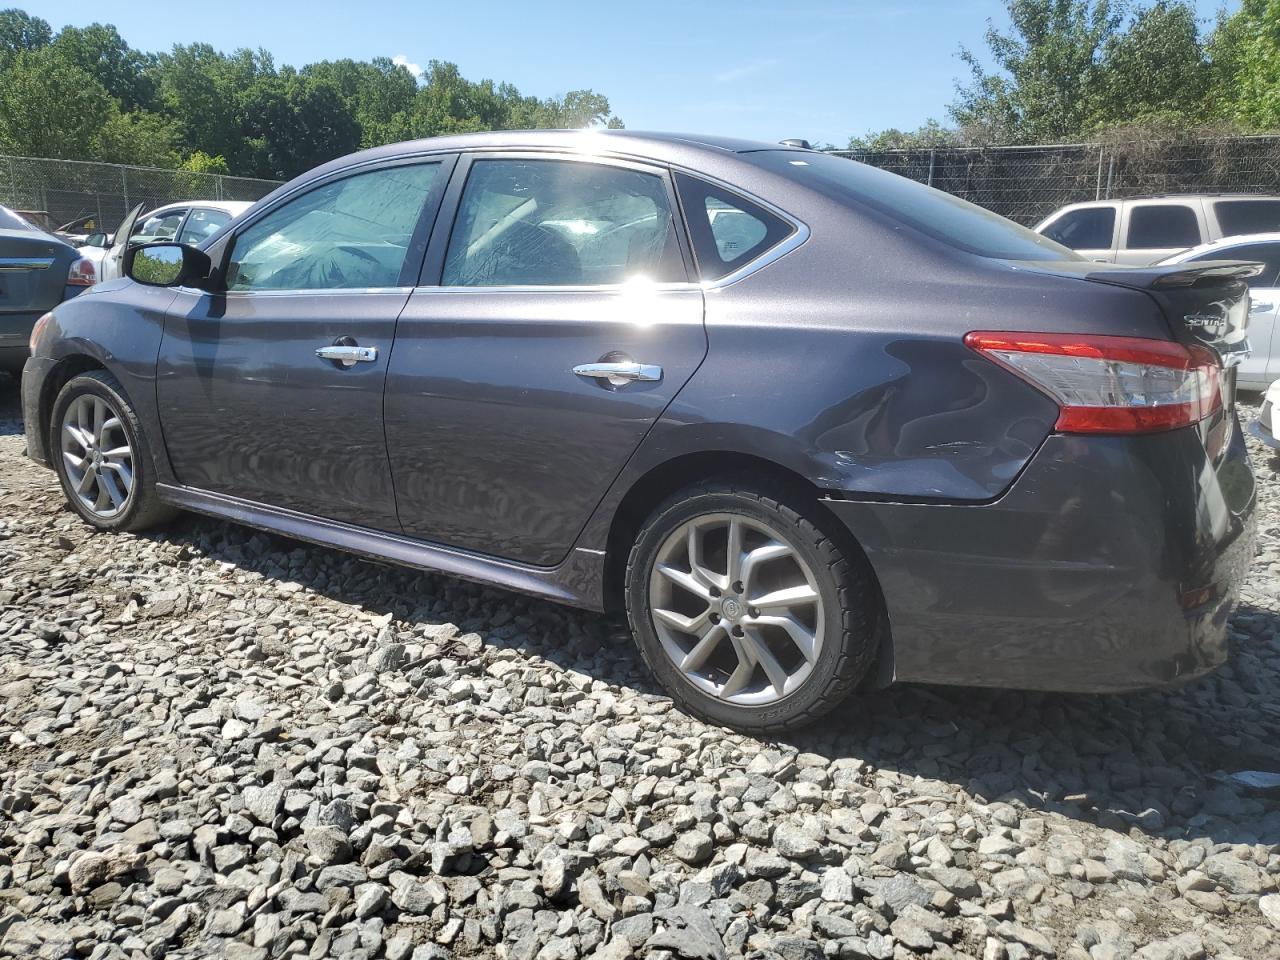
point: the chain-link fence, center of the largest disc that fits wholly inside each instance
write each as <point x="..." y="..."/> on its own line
<point x="67" y="190"/>
<point x="1026" y="184"/>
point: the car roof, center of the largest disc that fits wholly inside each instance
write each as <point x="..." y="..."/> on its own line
<point x="1239" y="240"/>
<point x="233" y="207"/>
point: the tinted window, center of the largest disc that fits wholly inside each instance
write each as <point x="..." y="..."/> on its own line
<point x="1089" y="229"/>
<point x="1161" y="226"/>
<point x="1266" y="253"/>
<point x="158" y="226"/>
<point x="561" y="223"/>
<point x="936" y="214"/>
<point x="1236" y="217"/>
<point x="348" y="234"/>
<point x="203" y="223"/>
<point x="728" y="230"/>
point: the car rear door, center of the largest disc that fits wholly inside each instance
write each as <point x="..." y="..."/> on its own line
<point x="1154" y="230"/>
<point x="270" y="389"/>
<point x="554" y="324"/>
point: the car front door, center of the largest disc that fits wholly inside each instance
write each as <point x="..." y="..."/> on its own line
<point x="555" y="323"/>
<point x="112" y="261"/>
<point x="270" y="388"/>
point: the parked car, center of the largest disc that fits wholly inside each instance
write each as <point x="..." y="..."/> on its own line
<point x="860" y="431"/>
<point x="37" y="271"/>
<point x="78" y="231"/>
<point x="1262" y="366"/>
<point x="1145" y="230"/>
<point x="187" y="221"/>
<point x="1267" y="425"/>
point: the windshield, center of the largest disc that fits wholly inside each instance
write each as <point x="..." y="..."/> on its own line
<point x="939" y="215"/>
<point x="11" y="221"/>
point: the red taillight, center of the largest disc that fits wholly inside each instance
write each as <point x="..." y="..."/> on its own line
<point x="1106" y="384"/>
<point x="83" y="273"/>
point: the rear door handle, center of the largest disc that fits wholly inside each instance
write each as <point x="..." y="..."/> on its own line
<point x="347" y="355"/>
<point x="619" y="373"/>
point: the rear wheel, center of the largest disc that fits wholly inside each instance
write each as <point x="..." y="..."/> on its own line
<point x="746" y="610"/>
<point x="101" y="455"/>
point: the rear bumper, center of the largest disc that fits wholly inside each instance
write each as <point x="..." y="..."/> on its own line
<point x="1112" y="563"/>
<point x="15" y="331"/>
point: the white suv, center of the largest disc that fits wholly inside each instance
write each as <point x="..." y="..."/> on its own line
<point x="1147" y="230"/>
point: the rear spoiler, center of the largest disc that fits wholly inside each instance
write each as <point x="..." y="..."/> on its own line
<point x="1174" y="275"/>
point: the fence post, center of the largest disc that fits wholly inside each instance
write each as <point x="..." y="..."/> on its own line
<point x="1097" y="194"/>
<point x="932" y="152"/>
<point x="124" y="188"/>
<point x="13" y="184"/>
<point x="219" y="182"/>
<point x="1111" y="167"/>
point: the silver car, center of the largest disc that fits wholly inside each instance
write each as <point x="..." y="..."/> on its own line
<point x="1146" y="230"/>
<point x="186" y="221"/>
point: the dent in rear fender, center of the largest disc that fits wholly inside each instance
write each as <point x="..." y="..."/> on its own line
<point x="120" y="325"/>
<point x="1110" y="564"/>
<point x="868" y="414"/>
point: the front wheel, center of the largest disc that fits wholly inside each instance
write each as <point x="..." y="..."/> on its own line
<point x="101" y="455"/>
<point x="747" y="610"/>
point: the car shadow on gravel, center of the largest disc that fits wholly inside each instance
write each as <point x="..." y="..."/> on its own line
<point x="1156" y="761"/>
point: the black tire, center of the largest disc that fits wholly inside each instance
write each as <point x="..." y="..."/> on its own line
<point x="142" y="507"/>
<point x="851" y="605"/>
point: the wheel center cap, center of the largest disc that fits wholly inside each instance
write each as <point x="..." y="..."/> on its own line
<point x="731" y="607"/>
<point x="97" y="459"/>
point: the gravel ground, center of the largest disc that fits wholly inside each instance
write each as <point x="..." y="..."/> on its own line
<point x="217" y="742"/>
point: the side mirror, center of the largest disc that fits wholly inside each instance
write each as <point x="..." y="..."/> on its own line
<point x="166" y="264"/>
<point x="98" y="239"/>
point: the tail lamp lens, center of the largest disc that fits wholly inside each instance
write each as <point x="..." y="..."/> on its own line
<point x="83" y="273"/>
<point x="1105" y="384"/>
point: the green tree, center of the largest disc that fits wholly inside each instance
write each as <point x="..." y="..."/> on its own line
<point x="137" y="137"/>
<point x="20" y="31"/>
<point x="49" y="107"/>
<point x="1245" y="61"/>
<point x="1157" y="67"/>
<point x="201" y="162"/>
<point x="1048" y="77"/>
<point x="100" y="51"/>
<point x="932" y="134"/>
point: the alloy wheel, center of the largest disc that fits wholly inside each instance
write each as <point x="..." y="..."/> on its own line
<point x="97" y="456"/>
<point x="736" y="608"/>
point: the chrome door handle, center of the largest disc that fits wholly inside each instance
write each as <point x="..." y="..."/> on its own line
<point x="619" y="373"/>
<point x="346" y="355"/>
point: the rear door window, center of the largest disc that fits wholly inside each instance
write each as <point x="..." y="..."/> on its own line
<point x="728" y="230"/>
<point x="1162" y="226"/>
<point x="1092" y="228"/>
<point x="1237" y="217"/>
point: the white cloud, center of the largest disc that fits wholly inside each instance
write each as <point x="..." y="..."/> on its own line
<point x="743" y="71"/>
<point x="402" y="61"/>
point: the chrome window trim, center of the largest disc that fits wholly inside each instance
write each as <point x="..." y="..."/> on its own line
<point x="600" y="288"/>
<point x="15" y="264"/>
<point x="303" y="292"/>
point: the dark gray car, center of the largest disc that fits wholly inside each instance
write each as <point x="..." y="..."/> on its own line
<point x="810" y="424"/>
<point x="35" y="275"/>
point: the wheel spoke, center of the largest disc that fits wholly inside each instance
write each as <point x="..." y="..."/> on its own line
<point x="696" y="566"/>
<point x="74" y="462"/>
<point x="733" y="549"/>
<point x="78" y="435"/>
<point x="101" y="503"/>
<point x="742" y="673"/>
<point x="116" y="452"/>
<point x="757" y="557"/>
<point x="99" y="417"/>
<point x="764" y="656"/>
<point x="684" y="580"/>
<point x="86" y="482"/>
<point x="122" y="471"/>
<point x="690" y="625"/>
<point x="695" y="658"/>
<point x="111" y="423"/>
<point x="786" y="597"/>
<point x="113" y="491"/>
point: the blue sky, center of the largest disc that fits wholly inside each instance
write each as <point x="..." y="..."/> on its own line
<point x="807" y="68"/>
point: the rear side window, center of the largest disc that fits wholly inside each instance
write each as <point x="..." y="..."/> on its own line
<point x="159" y="226"/>
<point x="946" y="218"/>
<point x="1161" y="226"/>
<point x="1237" y="217"/>
<point x="728" y="231"/>
<point x="1265" y="253"/>
<point x="561" y="223"/>
<point x="1089" y="229"/>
